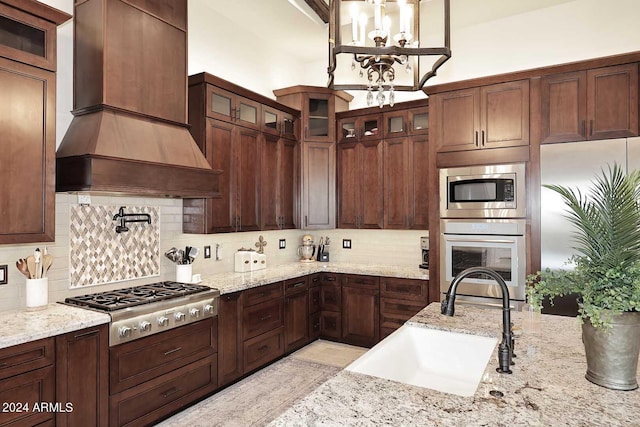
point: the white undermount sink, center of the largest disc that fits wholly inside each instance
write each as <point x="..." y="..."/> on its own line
<point x="445" y="361"/>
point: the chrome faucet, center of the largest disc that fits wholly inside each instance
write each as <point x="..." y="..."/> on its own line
<point x="505" y="350"/>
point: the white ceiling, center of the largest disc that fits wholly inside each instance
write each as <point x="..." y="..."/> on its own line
<point x="279" y="22"/>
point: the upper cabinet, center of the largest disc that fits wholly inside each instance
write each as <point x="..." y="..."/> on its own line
<point x="252" y="139"/>
<point x="491" y="116"/>
<point x="27" y="121"/>
<point x="361" y="128"/>
<point x="595" y="104"/>
<point x="318" y="150"/>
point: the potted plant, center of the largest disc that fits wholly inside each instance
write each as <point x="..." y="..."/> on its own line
<point x="606" y="275"/>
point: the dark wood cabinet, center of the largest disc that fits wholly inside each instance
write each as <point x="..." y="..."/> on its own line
<point x="257" y="156"/>
<point x="361" y="310"/>
<point x="492" y="116"/>
<point x="330" y="306"/>
<point x="360" y="128"/>
<point x="314" y="306"/>
<point x="27" y="376"/>
<point x="82" y="376"/>
<point x="230" y="355"/>
<point x="28" y="126"/>
<point x="594" y="104"/>
<point x="318" y="137"/>
<point x="360" y="183"/>
<point x="400" y="299"/>
<point x="296" y="307"/>
<point x="263" y="317"/>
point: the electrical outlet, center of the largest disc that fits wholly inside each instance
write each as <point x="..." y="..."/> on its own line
<point x="282" y="243"/>
<point x="207" y="251"/>
<point x="84" y="199"/>
<point x="346" y="243"/>
<point x="3" y="274"/>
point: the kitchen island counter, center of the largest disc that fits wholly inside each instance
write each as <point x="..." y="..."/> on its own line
<point x="20" y="326"/>
<point x="233" y="282"/>
<point x="547" y="387"/>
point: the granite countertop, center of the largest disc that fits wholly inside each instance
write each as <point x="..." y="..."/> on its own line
<point x="547" y="387"/>
<point x="233" y="282"/>
<point x="20" y="326"/>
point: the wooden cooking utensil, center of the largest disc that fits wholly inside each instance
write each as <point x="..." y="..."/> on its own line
<point x="47" y="260"/>
<point x="22" y="267"/>
<point x="31" y="266"/>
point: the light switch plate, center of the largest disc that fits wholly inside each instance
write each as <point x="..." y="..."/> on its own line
<point x="346" y="243"/>
<point x="282" y="243"/>
<point x="207" y="251"/>
<point x="84" y="199"/>
<point x="3" y="275"/>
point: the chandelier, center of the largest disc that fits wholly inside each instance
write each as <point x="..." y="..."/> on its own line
<point x="379" y="51"/>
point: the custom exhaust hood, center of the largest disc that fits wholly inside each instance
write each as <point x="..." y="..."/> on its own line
<point x="129" y="134"/>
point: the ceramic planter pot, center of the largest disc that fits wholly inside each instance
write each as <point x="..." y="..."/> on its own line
<point x="612" y="353"/>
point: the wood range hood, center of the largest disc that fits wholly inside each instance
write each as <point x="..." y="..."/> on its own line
<point x="129" y="134"/>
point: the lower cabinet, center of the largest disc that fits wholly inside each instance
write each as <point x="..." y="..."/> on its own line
<point x="260" y="350"/>
<point x="400" y="299"/>
<point x="82" y="377"/>
<point x="296" y="317"/>
<point x="27" y="375"/>
<point x="360" y="310"/>
<point x="330" y="306"/>
<point x="314" y="307"/>
<point x="230" y="358"/>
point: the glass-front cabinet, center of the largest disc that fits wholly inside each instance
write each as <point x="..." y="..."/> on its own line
<point x="360" y="128"/>
<point x="229" y="107"/>
<point x="419" y="121"/>
<point x="278" y="123"/>
<point x="319" y="111"/>
<point x="414" y="121"/>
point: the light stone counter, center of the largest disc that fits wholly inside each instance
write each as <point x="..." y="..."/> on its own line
<point x="20" y="326"/>
<point x="233" y="282"/>
<point x="547" y="387"/>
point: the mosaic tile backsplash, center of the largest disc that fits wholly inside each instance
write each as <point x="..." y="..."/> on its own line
<point x="98" y="255"/>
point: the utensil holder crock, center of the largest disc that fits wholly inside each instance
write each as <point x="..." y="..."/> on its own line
<point x="37" y="293"/>
<point x="184" y="273"/>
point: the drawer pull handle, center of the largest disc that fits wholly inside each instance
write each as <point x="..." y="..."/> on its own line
<point x="2" y="365"/>
<point x="263" y="348"/>
<point x="297" y="285"/>
<point x="170" y="392"/>
<point x="262" y="319"/>
<point x="95" y="331"/>
<point x="330" y="279"/>
<point x="166" y="353"/>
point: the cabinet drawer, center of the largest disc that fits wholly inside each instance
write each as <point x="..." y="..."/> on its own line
<point x="403" y="307"/>
<point x="26" y="357"/>
<point x="262" y="293"/>
<point x="261" y="318"/>
<point x="407" y="289"/>
<point x="328" y="278"/>
<point x="263" y="349"/>
<point x="141" y="360"/>
<point x="300" y="284"/>
<point x="146" y="403"/>
<point x="352" y="280"/>
<point x="27" y="388"/>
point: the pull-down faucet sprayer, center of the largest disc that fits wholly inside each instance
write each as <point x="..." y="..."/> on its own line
<point x="505" y="350"/>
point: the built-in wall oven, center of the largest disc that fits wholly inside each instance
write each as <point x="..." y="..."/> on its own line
<point x="491" y="191"/>
<point x="498" y="244"/>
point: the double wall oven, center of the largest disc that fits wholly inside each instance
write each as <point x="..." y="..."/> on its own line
<point x="483" y="224"/>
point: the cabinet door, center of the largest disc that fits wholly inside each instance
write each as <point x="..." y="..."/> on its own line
<point x="287" y="167"/>
<point x="396" y="183"/>
<point x="221" y="212"/>
<point x="319" y="113"/>
<point x="230" y="357"/>
<point x="459" y="119"/>
<point x="396" y="124"/>
<point x="330" y="324"/>
<point x="27" y="168"/>
<point x="248" y="181"/>
<point x="612" y="101"/>
<point x="418" y="166"/>
<point x="269" y="186"/>
<point x="360" y="316"/>
<point x="349" y="179"/>
<point x="419" y="121"/>
<point x="82" y="376"/>
<point x="318" y="186"/>
<point x="29" y="387"/>
<point x="563" y="100"/>
<point x="330" y="297"/>
<point x="504" y="115"/>
<point x="220" y="104"/>
<point x="296" y="320"/>
<point x="248" y="113"/>
<point x="371" y="196"/>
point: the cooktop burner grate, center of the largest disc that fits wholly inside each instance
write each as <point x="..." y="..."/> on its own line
<point x="137" y="295"/>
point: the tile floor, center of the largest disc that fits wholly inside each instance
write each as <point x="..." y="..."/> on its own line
<point x="263" y="396"/>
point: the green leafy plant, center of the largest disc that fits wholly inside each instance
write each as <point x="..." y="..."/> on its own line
<point x="606" y="224"/>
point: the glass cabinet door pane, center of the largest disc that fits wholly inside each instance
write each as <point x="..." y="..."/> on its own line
<point x="220" y="104"/>
<point x="318" y="108"/>
<point x="270" y="120"/>
<point x="370" y="127"/>
<point x="348" y="129"/>
<point x="19" y="36"/>
<point x="318" y="117"/>
<point x="396" y="124"/>
<point x="289" y="126"/>
<point x="421" y="121"/>
<point x="248" y="113"/>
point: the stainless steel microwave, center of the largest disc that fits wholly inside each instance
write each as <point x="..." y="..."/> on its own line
<point x="491" y="191"/>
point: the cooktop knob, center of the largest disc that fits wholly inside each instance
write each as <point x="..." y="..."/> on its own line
<point x="163" y="321"/>
<point x="145" y="326"/>
<point x="194" y="312"/>
<point x="208" y="309"/>
<point x="124" y="331"/>
<point x="179" y="316"/>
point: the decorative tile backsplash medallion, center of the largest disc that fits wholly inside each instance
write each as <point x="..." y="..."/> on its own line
<point x="99" y="255"/>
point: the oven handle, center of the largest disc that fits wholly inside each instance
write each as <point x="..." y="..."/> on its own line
<point x="448" y="239"/>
